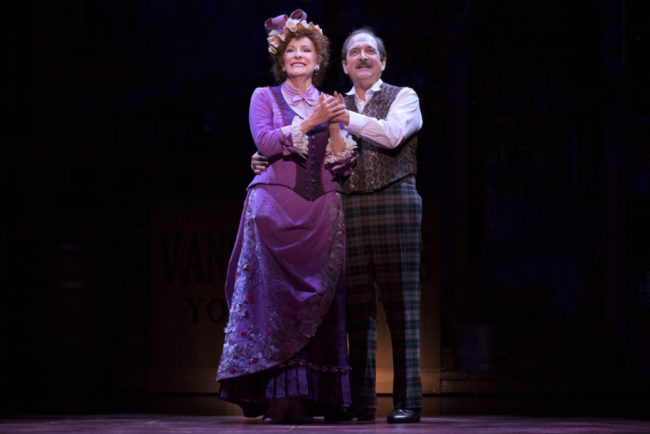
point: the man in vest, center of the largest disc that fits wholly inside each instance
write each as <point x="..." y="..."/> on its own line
<point x="383" y="213"/>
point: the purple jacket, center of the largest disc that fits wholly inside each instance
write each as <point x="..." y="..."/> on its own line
<point x="311" y="176"/>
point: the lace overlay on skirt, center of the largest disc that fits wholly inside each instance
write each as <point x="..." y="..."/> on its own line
<point x="285" y="336"/>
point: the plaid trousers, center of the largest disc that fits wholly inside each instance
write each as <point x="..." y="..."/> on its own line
<point x="383" y="240"/>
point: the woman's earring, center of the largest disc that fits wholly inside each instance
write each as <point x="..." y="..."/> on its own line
<point x="317" y="69"/>
<point x="284" y="70"/>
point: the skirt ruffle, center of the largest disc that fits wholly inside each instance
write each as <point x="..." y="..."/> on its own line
<point x="322" y="388"/>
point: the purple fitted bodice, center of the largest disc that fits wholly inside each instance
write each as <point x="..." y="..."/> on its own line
<point x="309" y="183"/>
<point x="309" y="177"/>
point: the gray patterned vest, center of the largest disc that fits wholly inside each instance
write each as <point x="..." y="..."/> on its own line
<point x="377" y="167"/>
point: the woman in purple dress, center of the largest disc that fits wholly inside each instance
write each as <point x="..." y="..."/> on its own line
<point x="284" y="352"/>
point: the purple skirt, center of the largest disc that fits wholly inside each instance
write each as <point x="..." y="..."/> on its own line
<point x="286" y="331"/>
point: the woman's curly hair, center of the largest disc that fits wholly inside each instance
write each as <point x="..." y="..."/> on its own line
<point x="321" y="43"/>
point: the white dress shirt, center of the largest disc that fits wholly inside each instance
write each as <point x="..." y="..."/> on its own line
<point x="403" y="119"/>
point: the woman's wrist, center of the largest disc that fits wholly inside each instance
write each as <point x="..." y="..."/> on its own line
<point x="306" y="125"/>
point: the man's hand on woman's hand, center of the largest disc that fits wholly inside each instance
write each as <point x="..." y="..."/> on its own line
<point x="327" y="108"/>
<point x="259" y="163"/>
<point x="342" y="113"/>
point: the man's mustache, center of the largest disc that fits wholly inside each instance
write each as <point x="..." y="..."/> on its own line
<point x="364" y="63"/>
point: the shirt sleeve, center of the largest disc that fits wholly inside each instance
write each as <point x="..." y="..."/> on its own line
<point x="270" y="141"/>
<point x="404" y="118"/>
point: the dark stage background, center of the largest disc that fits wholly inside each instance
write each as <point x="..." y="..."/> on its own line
<point x="125" y="157"/>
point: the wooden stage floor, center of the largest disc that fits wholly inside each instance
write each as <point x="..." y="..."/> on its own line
<point x="179" y="424"/>
<point x="199" y="414"/>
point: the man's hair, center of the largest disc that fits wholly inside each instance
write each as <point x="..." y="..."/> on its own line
<point x="369" y="31"/>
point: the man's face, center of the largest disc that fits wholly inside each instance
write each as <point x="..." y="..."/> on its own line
<point x="362" y="62"/>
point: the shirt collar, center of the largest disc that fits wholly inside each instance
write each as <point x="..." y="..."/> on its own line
<point x="373" y="89"/>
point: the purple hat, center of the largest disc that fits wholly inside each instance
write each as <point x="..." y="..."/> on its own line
<point x="277" y="28"/>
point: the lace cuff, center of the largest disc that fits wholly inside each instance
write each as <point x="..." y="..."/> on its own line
<point x="300" y="140"/>
<point x="349" y="151"/>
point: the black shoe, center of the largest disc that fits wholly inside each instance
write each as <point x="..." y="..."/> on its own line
<point x="276" y="413"/>
<point x="335" y="416"/>
<point x="362" y="415"/>
<point x="404" y="415"/>
<point x="296" y="412"/>
<point x="365" y="415"/>
<point x="274" y="419"/>
<point x="300" y="419"/>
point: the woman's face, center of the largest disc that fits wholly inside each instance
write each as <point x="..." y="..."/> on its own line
<point x="300" y="58"/>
